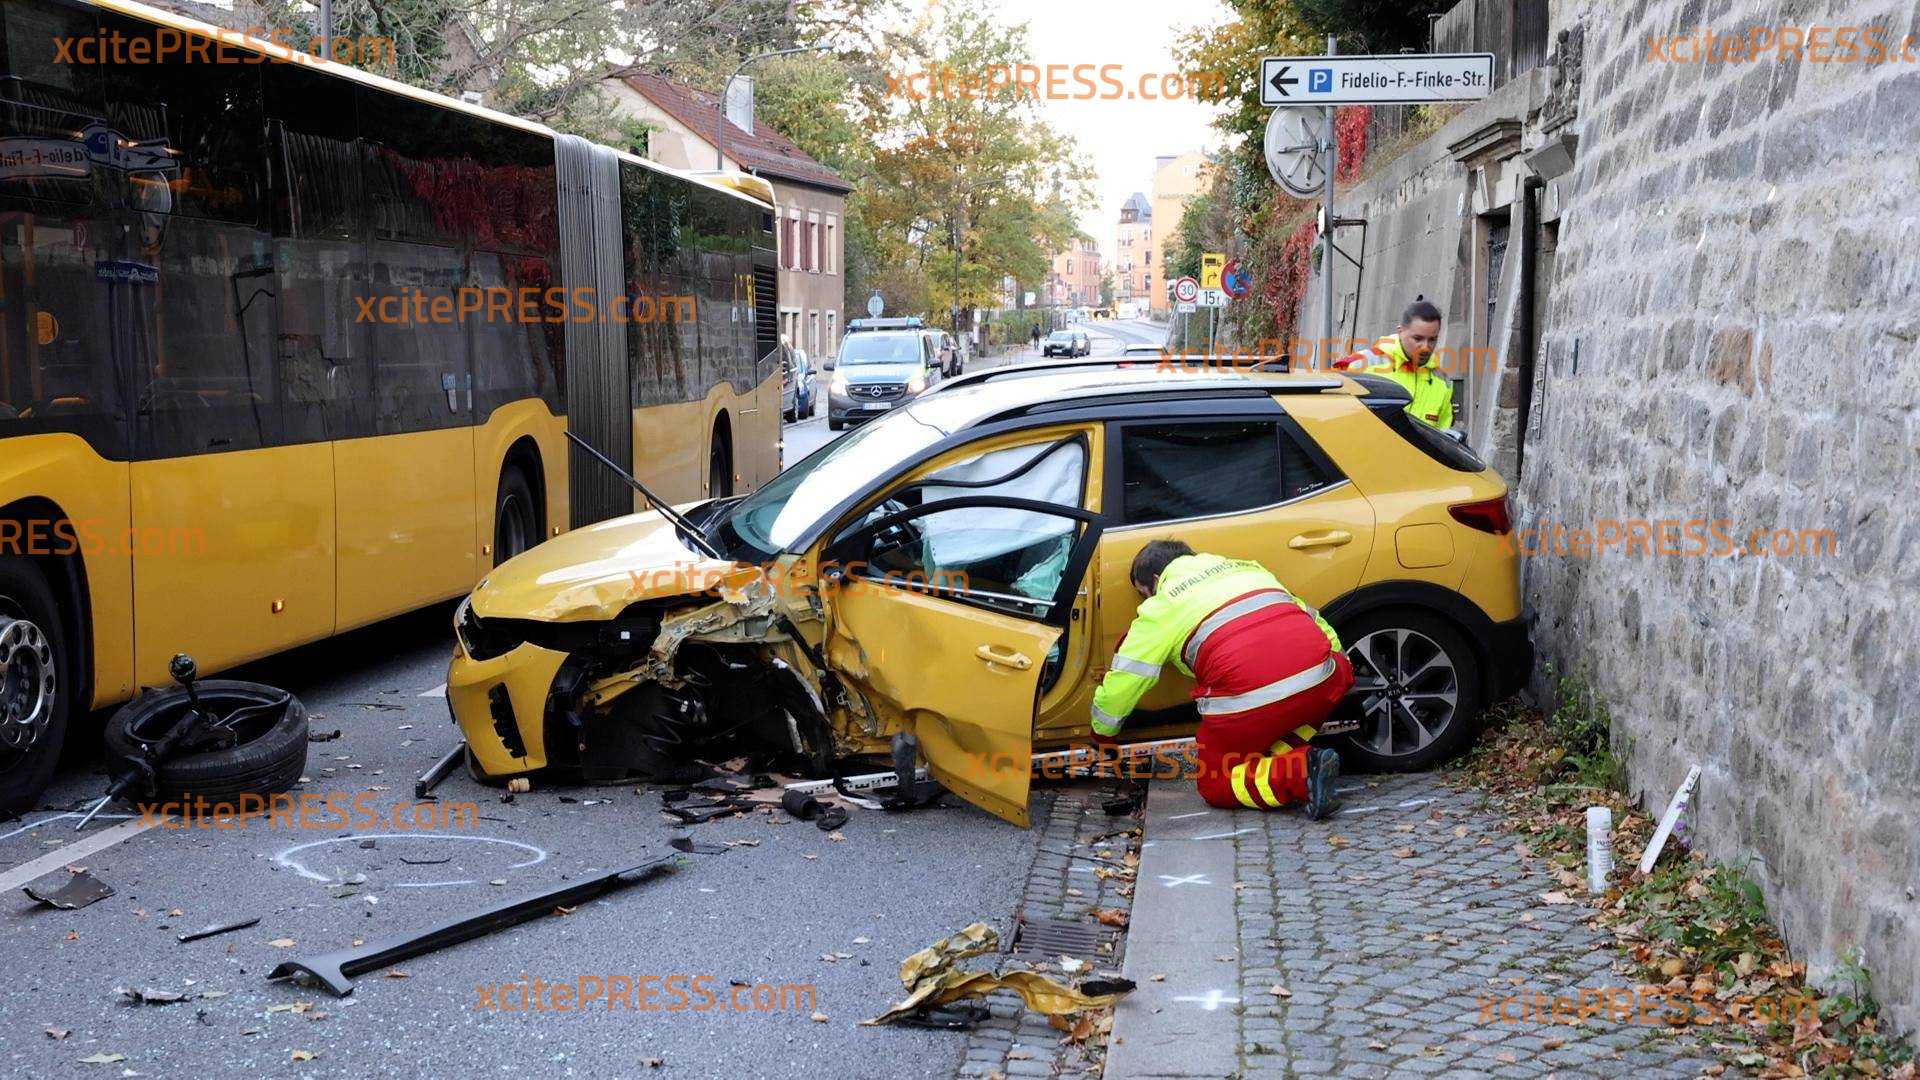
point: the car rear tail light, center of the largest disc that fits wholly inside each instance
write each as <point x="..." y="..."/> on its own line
<point x="1489" y="516"/>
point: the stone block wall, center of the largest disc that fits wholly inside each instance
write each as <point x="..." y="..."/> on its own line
<point x="1733" y="335"/>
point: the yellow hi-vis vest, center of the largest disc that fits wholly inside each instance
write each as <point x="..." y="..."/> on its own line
<point x="1432" y="394"/>
<point x="1190" y="588"/>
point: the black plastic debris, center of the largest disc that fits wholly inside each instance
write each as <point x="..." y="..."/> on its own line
<point x="336" y="970"/>
<point x="76" y="892"/>
<point x="1098" y="987"/>
<point x="693" y="810"/>
<point x="957" y="1017"/>
<point x="217" y="928"/>
<point x="826" y="816"/>
<point x="424" y="784"/>
<point x="696" y="847"/>
<point x="323" y="736"/>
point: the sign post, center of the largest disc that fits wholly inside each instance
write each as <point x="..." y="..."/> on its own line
<point x="1326" y="81"/>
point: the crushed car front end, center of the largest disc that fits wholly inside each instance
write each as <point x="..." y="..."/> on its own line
<point x="618" y="651"/>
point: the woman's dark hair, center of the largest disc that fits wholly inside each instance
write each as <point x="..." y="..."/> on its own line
<point x="1153" y="559"/>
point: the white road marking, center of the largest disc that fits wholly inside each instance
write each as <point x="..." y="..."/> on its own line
<point x="285" y="858"/>
<point x="1412" y="802"/>
<point x="438" y="691"/>
<point x="1196" y="813"/>
<point x="1223" y="835"/>
<point x="1347" y="812"/>
<point x="92" y="844"/>
<point x="1212" y="1001"/>
<point x="57" y="817"/>
<point x="1170" y="880"/>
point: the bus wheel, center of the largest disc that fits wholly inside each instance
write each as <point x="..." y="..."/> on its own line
<point x="719" y="468"/>
<point x="516" y="522"/>
<point x="33" y="711"/>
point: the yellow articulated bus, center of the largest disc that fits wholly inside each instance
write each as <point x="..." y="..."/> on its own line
<point x="286" y="349"/>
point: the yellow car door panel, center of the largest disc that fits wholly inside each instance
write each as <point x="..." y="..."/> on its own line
<point x="945" y="617"/>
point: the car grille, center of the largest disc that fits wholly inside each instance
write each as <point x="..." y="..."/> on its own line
<point x="876" y="391"/>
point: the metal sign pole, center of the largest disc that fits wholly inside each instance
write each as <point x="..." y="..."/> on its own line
<point x="1331" y="155"/>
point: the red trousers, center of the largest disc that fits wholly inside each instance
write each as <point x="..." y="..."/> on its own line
<point x="1258" y="758"/>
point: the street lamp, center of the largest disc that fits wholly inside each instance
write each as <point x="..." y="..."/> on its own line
<point x="720" y="134"/>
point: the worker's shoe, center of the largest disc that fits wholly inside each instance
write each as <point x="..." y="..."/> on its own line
<point x="1323" y="771"/>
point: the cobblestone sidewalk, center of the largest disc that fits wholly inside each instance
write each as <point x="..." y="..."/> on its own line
<point x="1015" y="1042"/>
<point x="1391" y="932"/>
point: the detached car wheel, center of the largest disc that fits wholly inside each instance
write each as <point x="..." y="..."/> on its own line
<point x="1417" y="690"/>
<point x="35" y="702"/>
<point x="268" y="758"/>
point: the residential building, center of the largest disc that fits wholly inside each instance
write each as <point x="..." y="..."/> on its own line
<point x="1133" y="255"/>
<point x="1176" y="178"/>
<point x="1076" y="275"/>
<point x="811" y="198"/>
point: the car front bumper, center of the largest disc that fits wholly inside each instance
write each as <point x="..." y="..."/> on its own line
<point x="500" y="706"/>
<point x="843" y="407"/>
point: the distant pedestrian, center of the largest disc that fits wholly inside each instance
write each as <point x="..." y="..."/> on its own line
<point x="1407" y="357"/>
<point x="1035" y="335"/>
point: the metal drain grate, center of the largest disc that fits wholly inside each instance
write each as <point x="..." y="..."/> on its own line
<point x="1055" y="937"/>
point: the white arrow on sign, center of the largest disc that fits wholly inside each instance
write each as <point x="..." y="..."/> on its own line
<point x="1406" y="78"/>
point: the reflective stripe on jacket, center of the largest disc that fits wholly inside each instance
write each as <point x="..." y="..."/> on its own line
<point x="1432" y="393"/>
<point x="1196" y="595"/>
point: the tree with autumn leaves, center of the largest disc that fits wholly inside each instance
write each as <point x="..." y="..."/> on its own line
<point x="1245" y="212"/>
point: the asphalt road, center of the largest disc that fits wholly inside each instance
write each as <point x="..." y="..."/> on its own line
<point x="791" y="907"/>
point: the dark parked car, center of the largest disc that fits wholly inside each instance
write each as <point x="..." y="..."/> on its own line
<point x="1067" y="343"/>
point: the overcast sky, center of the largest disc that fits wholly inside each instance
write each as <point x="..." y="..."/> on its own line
<point x="1120" y="138"/>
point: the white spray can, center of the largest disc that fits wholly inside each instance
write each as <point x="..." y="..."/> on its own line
<point x="1599" y="847"/>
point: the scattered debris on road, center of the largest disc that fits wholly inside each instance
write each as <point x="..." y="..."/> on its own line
<point x="79" y="890"/>
<point x="335" y="971"/>
<point x="932" y="979"/>
<point x="218" y="928"/>
<point x="438" y="771"/>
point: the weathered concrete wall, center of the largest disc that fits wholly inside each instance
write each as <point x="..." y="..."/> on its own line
<point x="1739" y="271"/>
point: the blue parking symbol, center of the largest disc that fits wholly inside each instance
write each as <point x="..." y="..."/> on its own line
<point x="1319" y="80"/>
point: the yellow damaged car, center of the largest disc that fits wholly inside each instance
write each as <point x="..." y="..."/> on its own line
<point x="950" y="582"/>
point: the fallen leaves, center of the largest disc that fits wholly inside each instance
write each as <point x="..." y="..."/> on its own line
<point x="283" y="943"/>
<point x="57" y="1034"/>
<point x="1110" y="917"/>
<point x="102" y="1059"/>
<point x="1279" y="991"/>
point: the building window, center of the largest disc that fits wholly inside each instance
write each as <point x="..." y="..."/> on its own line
<point x="833" y="329"/>
<point x="833" y="254"/>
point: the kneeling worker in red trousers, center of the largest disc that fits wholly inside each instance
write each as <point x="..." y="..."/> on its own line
<point x="1266" y="669"/>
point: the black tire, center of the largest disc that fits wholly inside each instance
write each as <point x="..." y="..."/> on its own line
<point x="719" y="468"/>
<point x="1387" y="645"/>
<point x="32" y="636"/>
<point x="516" y="516"/>
<point x="835" y="424"/>
<point x="268" y="760"/>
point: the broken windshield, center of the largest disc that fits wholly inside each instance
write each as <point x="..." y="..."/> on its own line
<point x="775" y="515"/>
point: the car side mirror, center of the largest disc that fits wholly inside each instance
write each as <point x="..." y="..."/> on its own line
<point x="828" y="366"/>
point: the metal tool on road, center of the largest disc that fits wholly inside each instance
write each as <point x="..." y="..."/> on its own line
<point x="427" y="781"/>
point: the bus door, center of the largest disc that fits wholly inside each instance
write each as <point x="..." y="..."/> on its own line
<point x="407" y="491"/>
<point x="232" y="514"/>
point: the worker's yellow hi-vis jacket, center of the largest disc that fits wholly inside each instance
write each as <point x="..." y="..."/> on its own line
<point x="1432" y="402"/>
<point x="1191" y="588"/>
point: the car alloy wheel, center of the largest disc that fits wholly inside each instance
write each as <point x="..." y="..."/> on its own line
<point x="1408" y="690"/>
<point x="28" y="682"/>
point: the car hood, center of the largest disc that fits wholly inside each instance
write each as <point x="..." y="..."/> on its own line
<point x="593" y="573"/>
<point x="882" y="373"/>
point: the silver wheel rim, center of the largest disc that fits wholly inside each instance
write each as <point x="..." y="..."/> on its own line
<point x="28" y="678"/>
<point x="1407" y="688"/>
